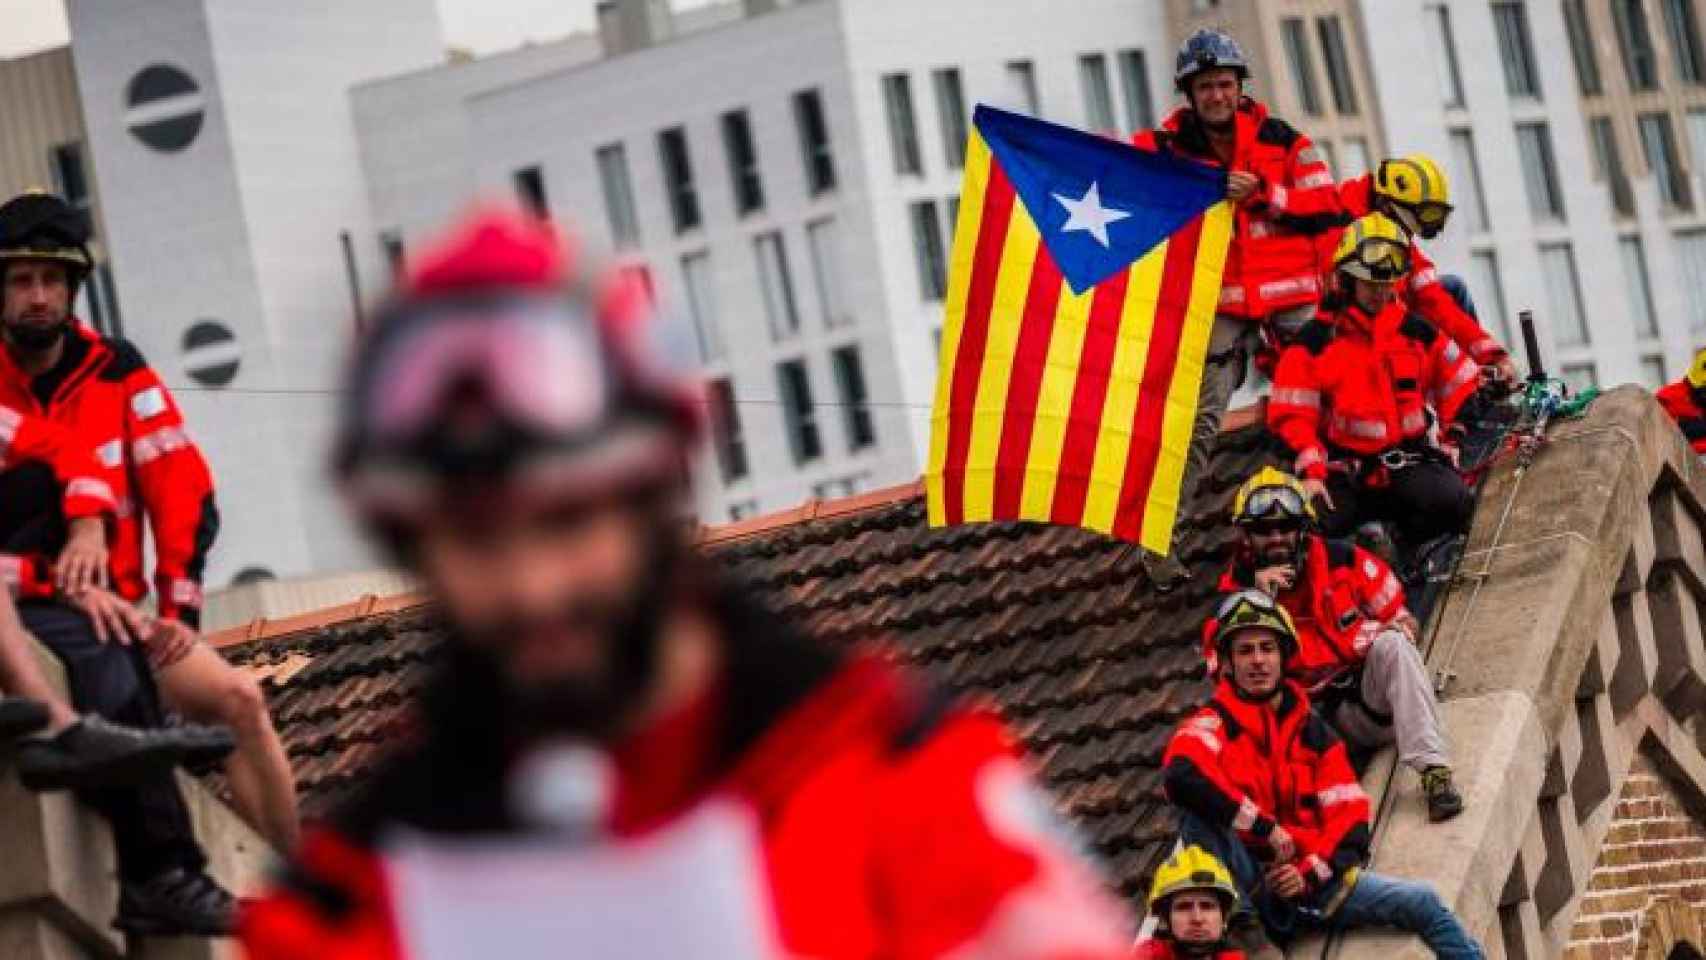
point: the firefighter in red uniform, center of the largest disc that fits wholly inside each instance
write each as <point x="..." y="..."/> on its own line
<point x="615" y="730"/>
<point x="1284" y="194"/>
<point x="1192" y="900"/>
<point x="1413" y="192"/>
<point x="1357" y="653"/>
<point x="1264" y="784"/>
<point x="1358" y="394"/>
<point x="1685" y="401"/>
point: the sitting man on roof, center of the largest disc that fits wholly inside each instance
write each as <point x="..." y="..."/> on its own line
<point x="1357" y="653"/>
<point x="1264" y="784"/>
<point x="1192" y="900"/>
<point x="1685" y="401"/>
<point x="1358" y="394"/>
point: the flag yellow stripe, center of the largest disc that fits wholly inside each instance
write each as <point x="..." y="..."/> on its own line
<point x="1007" y="314"/>
<point x="1119" y="410"/>
<point x="1162" y="510"/>
<point x="1054" y="403"/>
<point x="973" y="189"/>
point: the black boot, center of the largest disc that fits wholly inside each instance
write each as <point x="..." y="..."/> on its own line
<point x="177" y="902"/>
<point x="20" y="717"/>
<point x="96" y="753"/>
<point x="1444" y="802"/>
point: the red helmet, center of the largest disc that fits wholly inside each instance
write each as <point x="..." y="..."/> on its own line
<point x="508" y="360"/>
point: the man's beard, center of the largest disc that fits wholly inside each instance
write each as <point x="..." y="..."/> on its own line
<point x="1275" y="554"/>
<point x="35" y="338"/>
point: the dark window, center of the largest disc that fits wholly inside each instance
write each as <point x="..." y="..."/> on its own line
<point x="776" y="282"/>
<point x="678" y="178"/>
<point x="1445" y="50"/>
<point x="1684" y="28"/>
<point x="1658" y="143"/>
<point x="1610" y="161"/>
<point x="850" y="381"/>
<point x="1338" y="65"/>
<point x="1539" y="171"/>
<point x="530" y="187"/>
<point x="814" y="141"/>
<point x="618" y="195"/>
<point x="1516" y="50"/>
<point x="1302" y="65"/>
<point x="1134" y="78"/>
<point x="69" y="177"/>
<point x="1640" y="60"/>
<point x="1098" y="96"/>
<point x="1581" y="47"/>
<point x="743" y="162"/>
<point x="903" y="126"/>
<point x="951" y="107"/>
<point x="929" y="251"/>
<point x="798" y="411"/>
<point x="726" y="431"/>
<point x="1022" y="87"/>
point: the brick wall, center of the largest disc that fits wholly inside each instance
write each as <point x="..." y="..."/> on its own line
<point x="1654" y="852"/>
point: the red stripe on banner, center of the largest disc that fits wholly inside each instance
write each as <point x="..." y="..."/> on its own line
<point x="1174" y="302"/>
<point x="1089" y="393"/>
<point x="974" y="337"/>
<point x="1030" y="360"/>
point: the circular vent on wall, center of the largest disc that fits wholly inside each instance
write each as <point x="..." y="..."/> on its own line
<point x="211" y="353"/>
<point x="164" y="108"/>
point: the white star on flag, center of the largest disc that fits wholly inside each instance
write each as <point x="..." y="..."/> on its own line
<point x="1088" y="214"/>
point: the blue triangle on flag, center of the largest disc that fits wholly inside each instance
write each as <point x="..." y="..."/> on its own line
<point x="1082" y="189"/>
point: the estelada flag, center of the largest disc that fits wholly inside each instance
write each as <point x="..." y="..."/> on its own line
<point x="1081" y="293"/>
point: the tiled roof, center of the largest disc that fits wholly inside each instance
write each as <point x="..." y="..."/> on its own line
<point x="1057" y="626"/>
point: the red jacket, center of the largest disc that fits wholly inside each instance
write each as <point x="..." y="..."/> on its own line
<point x="817" y="806"/>
<point x="105" y="392"/>
<point x="1158" y="949"/>
<point x="1421" y="290"/>
<point x="1273" y="262"/>
<point x="1247" y="766"/>
<point x="1685" y="406"/>
<point x="1365" y="384"/>
<point x="81" y="485"/>
<point x="1343" y="597"/>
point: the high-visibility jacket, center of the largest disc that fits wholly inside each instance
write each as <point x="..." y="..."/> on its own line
<point x="1687" y="406"/>
<point x="1249" y="766"/>
<point x="105" y="392"/>
<point x="815" y="806"/>
<point x="1421" y="290"/>
<point x="1159" y="949"/>
<point x="1343" y="596"/>
<point x="1364" y="385"/>
<point x="79" y="486"/>
<point x="1272" y="262"/>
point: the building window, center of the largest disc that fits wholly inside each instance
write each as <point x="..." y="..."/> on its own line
<point x="1356" y="157"/>
<point x="1581" y="47"/>
<point x="953" y="203"/>
<point x="814" y="141"/>
<point x="855" y="403"/>
<point x="1098" y="96"/>
<point x="1488" y="291"/>
<point x="1022" y="87"/>
<point x="530" y="188"/>
<point x="823" y="237"/>
<point x="1639" y="287"/>
<point x="743" y="510"/>
<point x="618" y="196"/>
<point x="1446" y="71"/>
<point x="743" y="162"/>
<point x="1510" y="18"/>
<point x="1658" y="144"/>
<point x="1539" y="171"/>
<point x="1563" y="294"/>
<point x="102" y="300"/>
<point x="1653" y="371"/>
<point x="778" y="285"/>
<point x="1466" y="173"/>
<point x="1697" y="137"/>
<point x="1640" y="60"/>
<point x="903" y="126"/>
<point x="1691" y="261"/>
<point x="836" y="488"/>
<point x="678" y="179"/>
<point x="1134" y="80"/>
<point x="927" y="246"/>
<point x="697" y="278"/>
<point x="1684" y="29"/>
<point x="726" y="433"/>
<point x="69" y="177"/>
<point x="1302" y="65"/>
<point x="1329" y="156"/>
<point x="391" y="246"/>
<point x="951" y="108"/>
<point x="798" y="411"/>
<point x="1610" y="162"/>
<point x="1579" y="377"/>
<point x="1338" y="60"/>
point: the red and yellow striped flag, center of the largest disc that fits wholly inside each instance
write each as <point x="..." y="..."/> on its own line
<point x="1073" y="402"/>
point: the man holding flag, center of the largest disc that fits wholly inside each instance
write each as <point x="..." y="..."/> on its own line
<point x="1284" y="195"/>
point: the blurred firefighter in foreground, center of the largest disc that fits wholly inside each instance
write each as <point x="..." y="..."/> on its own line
<point x="614" y="728"/>
<point x="1685" y="401"/>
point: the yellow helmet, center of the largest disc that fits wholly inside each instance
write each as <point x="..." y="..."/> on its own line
<point x="1697" y="371"/>
<point x="1418" y="193"/>
<point x="1373" y="248"/>
<point x="1192" y="868"/>
<point x="1270" y="492"/>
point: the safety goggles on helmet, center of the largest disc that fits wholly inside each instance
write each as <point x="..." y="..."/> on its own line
<point x="1250" y="610"/>
<point x="1378" y="260"/>
<point x="1268" y="504"/>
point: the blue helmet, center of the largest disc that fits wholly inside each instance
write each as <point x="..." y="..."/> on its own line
<point x="1207" y="50"/>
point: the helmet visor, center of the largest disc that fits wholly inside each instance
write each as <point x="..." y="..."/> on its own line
<point x="1248" y="608"/>
<point x="1274" y="503"/>
<point x="1378" y="259"/>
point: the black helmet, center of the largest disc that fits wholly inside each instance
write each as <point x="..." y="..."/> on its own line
<point x="1208" y="50"/>
<point x="40" y="226"/>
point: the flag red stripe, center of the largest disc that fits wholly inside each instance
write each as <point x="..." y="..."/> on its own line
<point x="1175" y="301"/>
<point x="1030" y="360"/>
<point x="1089" y="393"/>
<point x="974" y="337"/>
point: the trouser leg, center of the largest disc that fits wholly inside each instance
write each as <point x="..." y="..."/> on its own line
<point x="1382" y="901"/>
<point x="1429" y="500"/>
<point x="1350" y="506"/>
<point x="1395" y="683"/>
<point x="151" y="826"/>
<point x="1459" y="291"/>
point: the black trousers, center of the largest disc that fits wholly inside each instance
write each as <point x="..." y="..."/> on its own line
<point x="1424" y="501"/>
